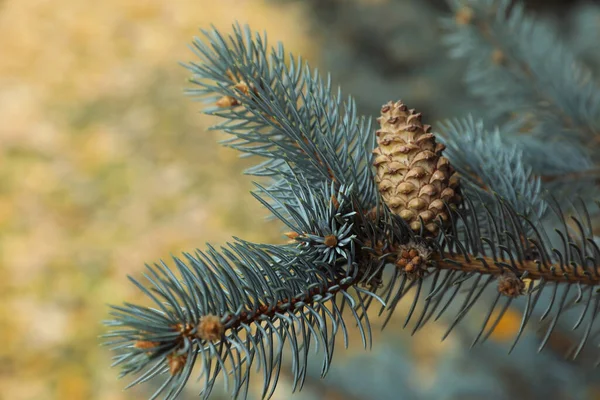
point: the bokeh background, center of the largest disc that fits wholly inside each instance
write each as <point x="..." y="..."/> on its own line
<point x="105" y="165"/>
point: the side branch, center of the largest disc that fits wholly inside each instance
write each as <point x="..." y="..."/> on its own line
<point x="246" y="100"/>
<point x="542" y="268"/>
<point x="534" y="270"/>
<point x="319" y="293"/>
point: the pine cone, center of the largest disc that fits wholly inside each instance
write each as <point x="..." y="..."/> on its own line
<point x="413" y="177"/>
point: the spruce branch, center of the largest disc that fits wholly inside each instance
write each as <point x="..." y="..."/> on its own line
<point x="522" y="71"/>
<point x="232" y="309"/>
<point x="489" y="167"/>
<point x="227" y="311"/>
<point x="276" y="107"/>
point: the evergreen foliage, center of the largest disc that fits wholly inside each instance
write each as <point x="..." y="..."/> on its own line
<point x="488" y="165"/>
<point x="228" y="311"/>
<point x="520" y="69"/>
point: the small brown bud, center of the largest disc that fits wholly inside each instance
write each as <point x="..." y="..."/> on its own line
<point x="464" y="16"/>
<point x="210" y="328"/>
<point x="145" y="344"/>
<point x="510" y="285"/>
<point x="292" y="235"/>
<point x="498" y="57"/>
<point x="331" y="241"/>
<point x="412" y="259"/>
<point x="242" y="87"/>
<point x="184" y="329"/>
<point x="227" y="101"/>
<point x="176" y="363"/>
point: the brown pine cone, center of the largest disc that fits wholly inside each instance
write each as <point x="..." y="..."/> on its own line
<point x="413" y="177"/>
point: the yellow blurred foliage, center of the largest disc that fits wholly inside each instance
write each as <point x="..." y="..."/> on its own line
<point x="508" y="326"/>
<point x="105" y="165"/>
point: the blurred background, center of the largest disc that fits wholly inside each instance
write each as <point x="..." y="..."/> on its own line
<point x="105" y="165"/>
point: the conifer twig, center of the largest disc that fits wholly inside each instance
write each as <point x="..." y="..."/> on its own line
<point x="519" y="67"/>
